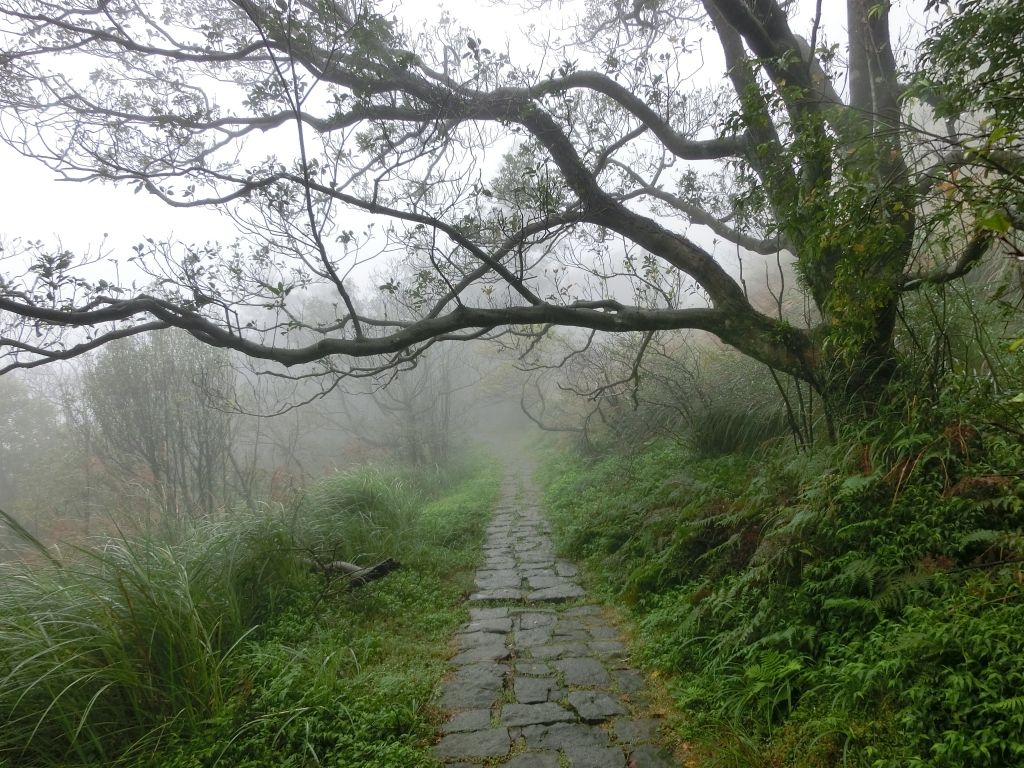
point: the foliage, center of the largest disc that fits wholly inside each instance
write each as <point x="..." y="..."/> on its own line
<point x="228" y="647"/>
<point x="970" y="71"/>
<point x="858" y="603"/>
<point x="612" y="153"/>
<point x="973" y="61"/>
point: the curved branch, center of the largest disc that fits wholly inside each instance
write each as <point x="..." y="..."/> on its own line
<point x="541" y="424"/>
<point x="698" y="215"/>
<point x="751" y="332"/>
<point x="1007" y="162"/>
<point x="675" y="142"/>
<point x="46" y="356"/>
<point x="968" y="260"/>
<point x="91" y="34"/>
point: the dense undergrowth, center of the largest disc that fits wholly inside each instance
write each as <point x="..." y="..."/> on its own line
<point x="230" y="647"/>
<point x="854" y="604"/>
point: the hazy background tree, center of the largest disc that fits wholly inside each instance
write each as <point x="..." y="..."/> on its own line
<point x="161" y="403"/>
<point x="28" y="426"/>
<point x="422" y="414"/>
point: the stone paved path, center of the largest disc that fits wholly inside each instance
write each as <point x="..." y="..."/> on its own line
<point x="540" y="680"/>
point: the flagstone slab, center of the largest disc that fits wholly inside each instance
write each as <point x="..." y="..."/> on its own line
<point x="534" y="760"/>
<point x="474" y="686"/>
<point x="566" y="626"/>
<point x="536" y="620"/>
<point x="539" y="559"/>
<point x="557" y="594"/>
<point x="494" y="742"/>
<point x="499" y="579"/>
<point x="484" y="653"/>
<point x="559" y="650"/>
<point x="503" y="626"/>
<point x="547" y="582"/>
<point x="535" y="714"/>
<point x="472" y="720"/>
<point x="596" y="706"/>
<point x="537" y="668"/>
<point x="596" y="757"/>
<point x="500" y="563"/>
<point x="583" y="672"/>
<point x="564" y="736"/>
<point x="480" y="639"/>
<point x="486" y="614"/>
<point x="533" y="690"/>
<point x="526" y="638"/>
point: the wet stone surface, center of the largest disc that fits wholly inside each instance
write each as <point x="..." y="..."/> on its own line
<point x="535" y="760"/>
<point x="539" y="680"/>
<point x="470" y="720"/>
<point x="596" y="706"/>
<point x="596" y="757"/>
<point x="530" y="690"/>
<point x="493" y="742"/>
<point x="563" y="736"/>
<point x="583" y="672"/>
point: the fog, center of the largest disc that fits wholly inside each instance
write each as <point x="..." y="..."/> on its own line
<point x="151" y="432"/>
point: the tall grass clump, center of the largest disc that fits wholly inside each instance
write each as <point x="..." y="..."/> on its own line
<point x="722" y="430"/>
<point x="102" y="651"/>
<point x="232" y="646"/>
<point x="363" y="515"/>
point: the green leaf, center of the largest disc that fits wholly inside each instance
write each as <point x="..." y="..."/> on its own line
<point x="995" y="221"/>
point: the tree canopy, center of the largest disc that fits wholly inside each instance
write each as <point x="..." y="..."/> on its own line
<point x="294" y="116"/>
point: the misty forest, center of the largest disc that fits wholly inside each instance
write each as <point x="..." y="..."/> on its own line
<point x="576" y="384"/>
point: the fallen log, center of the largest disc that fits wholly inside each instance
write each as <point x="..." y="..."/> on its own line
<point x="357" y="575"/>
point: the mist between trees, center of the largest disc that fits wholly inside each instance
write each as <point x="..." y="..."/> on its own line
<point x="156" y="430"/>
<point x="763" y="307"/>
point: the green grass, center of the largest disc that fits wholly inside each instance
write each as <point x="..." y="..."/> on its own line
<point x="860" y="604"/>
<point x="228" y="648"/>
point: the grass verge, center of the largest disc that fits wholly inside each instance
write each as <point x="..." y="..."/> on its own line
<point x="860" y="604"/>
<point x="230" y="648"/>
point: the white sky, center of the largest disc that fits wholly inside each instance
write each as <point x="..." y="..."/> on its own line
<point x="35" y="205"/>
